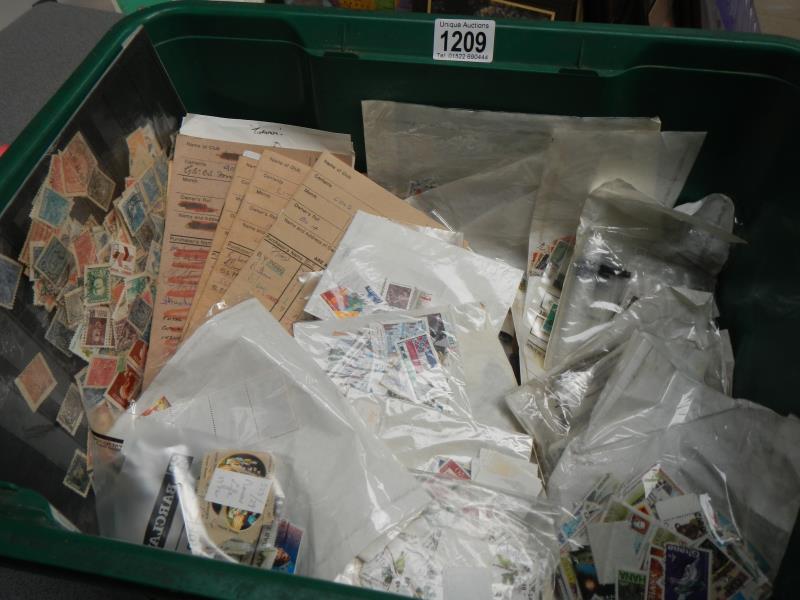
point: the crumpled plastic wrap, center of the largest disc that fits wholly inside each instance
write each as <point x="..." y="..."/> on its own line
<point x="412" y="148"/>
<point x="741" y="456"/>
<point x="381" y="266"/>
<point x="492" y="209"/>
<point x="425" y="403"/>
<point x="241" y="386"/>
<point x="471" y="541"/>
<point x="628" y="248"/>
<point x="556" y="407"/>
<point x="657" y="164"/>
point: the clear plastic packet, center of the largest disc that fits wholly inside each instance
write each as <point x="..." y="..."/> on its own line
<point x="740" y="456"/>
<point x="628" y="248"/>
<point x="555" y="407"/>
<point x="577" y="162"/>
<point x="438" y="436"/>
<point x="240" y="382"/>
<point x="464" y="374"/>
<point x="414" y="356"/>
<point x="492" y="209"/>
<point x="470" y="541"/>
<point x="382" y="266"/>
<point x="412" y="148"/>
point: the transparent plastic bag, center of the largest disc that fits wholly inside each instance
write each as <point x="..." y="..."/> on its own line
<point x="467" y="373"/>
<point x="742" y="457"/>
<point x="382" y="266"/>
<point x="414" y="357"/>
<point x="241" y="382"/>
<point x="470" y="541"/>
<point x="577" y="162"/>
<point x="492" y="209"/>
<point x="355" y="353"/>
<point x="626" y="249"/>
<point x="556" y="407"/>
<point x="412" y="148"/>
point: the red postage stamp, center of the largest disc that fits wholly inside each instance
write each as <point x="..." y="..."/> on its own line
<point x="124" y="388"/>
<point x="97" y="332"/>
<point x="35" y="382"/>
<point x="101" y="372"/>
<point x="77" y="162"/>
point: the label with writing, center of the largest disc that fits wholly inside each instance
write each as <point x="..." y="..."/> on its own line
<point x="463" y="40"/>
<point x="238" y="490"/>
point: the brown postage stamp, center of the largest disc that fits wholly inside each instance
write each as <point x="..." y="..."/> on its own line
<point x="70" y="414"/>
<point x="35" y="382"/>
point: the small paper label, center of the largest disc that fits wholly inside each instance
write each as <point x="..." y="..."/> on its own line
<point x="464" y="40"/>
<point x="238" y="490"/>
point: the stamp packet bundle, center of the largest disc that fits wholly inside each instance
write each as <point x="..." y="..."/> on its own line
<point x="659" y="543"/>
<point x="246" y="535"/>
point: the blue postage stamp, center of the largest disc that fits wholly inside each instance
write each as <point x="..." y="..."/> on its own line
<point x="150" y="186"/>
<point x="687" y="573"/>
<point x="287" y="544"/>
<point x="133" y="210"/>
<point x="53" y="263"/>
<point x="54" y="208"/>
<point x="10" y="272"/>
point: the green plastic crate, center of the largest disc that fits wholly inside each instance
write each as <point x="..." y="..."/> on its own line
<point x="313" y="67"/>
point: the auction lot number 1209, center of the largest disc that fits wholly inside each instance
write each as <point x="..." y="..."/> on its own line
<point x="468" y="40"/>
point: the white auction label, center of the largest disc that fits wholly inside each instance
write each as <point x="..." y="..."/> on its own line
<point x="466" y="40"/>
<point x="238" y="490"/>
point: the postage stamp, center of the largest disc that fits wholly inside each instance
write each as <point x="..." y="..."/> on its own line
<point x="77" y="162"/>
<point x="162" y="171"/>
<point x="97" y="285"/>
<point x="343" y="302"/>
<point x="73" y="307"/>
<point x="397" y="295"/>
<point x="70" y="414"/>
<point x="287" y="544"/>
<point x="53" y="208"/>
<point x="123" y="258"/>
<point x="80" y="376"/>
<point x="145" y="235"/>
<point x="138" y="355"/>
<point x="150" y="186"/>
<point x="117" y="290"/>
<point x="92" y="397"/>
<point x="419" y="352"/>
<point x="139" y="315"/>
<point x="125" y="335"/>
<point x="84" y="250"/>
<point x="133" y="209"/>
<point x="100" y="188"/>
<point x="77" y="478"/>
<point x="124" y="387"/>
<point x="101" y="371"/>
<point x="687" y="573"/>
<point x="631" y="585"/>
<point x="159" y="405"/>
<point x="135" y="286"/>
<point x="35" y="382"/>
<point x="55" y="177"/>
<point x="54" y="261"/>
<point x="58" y="334"/>
<point x="10" y="272"/>
<point x="139" y="156"/>
<point x="97" y="328"/>
<point x="452" y="469"/>
<point x="153" y="259"/>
